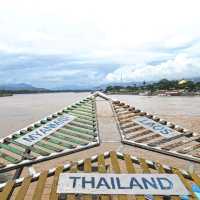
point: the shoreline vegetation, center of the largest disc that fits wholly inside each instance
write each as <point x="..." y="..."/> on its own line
<point x="162" y="88"/>
<point x="6" y="93"/>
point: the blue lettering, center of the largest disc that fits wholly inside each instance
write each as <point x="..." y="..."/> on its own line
<point x="38" y="133"/>
<point x="102" y="183"/>
<point x="134" y="183"/>
<point x="119" y="184"/>
<point x="166" y="131"/>
<point x="143" y="120"/>
<point x="112" y="182"/>
<point x="30" y="138"/>
<point x="74" y="180"/>
<point x="52" y="125"/>
<point x="157" y="127"/>
<point x="151" y="124"/>
<point x="45" y="129"/>
<point x="148" y="183"/>
<point x="165" y="184"/>
<point x="57" y="122"/>
<point x="91" y="182"/>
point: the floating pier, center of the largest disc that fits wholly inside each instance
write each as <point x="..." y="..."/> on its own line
<point x="146" y="131"/>
<point x="95" y="124"/>
<point x="44" y="185"/>
<point x="78" y="134"/>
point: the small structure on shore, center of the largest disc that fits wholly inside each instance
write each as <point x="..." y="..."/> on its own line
<point x="183" y="81"/>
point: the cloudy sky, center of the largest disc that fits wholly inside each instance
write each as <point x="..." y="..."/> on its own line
<point x="88" y="42"/>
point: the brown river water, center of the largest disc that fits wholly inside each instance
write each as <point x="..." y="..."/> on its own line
<point x="18" y="111"/>
<point x="183" y="111"/>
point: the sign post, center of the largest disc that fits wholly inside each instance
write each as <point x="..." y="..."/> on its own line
<point x="38" y="134"/>
<point x="156" y="127"/>
<point x="135" y="184"/>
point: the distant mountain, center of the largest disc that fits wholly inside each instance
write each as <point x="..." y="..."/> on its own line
<point x="197" y="79"/>
<point x="21" y="87"/>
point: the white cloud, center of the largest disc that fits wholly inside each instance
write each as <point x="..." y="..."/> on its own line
<point x="109" y="28"/>
<point x="128" y="33"/>
<point x="62" y="73"/>
<point x="179" y="67"/>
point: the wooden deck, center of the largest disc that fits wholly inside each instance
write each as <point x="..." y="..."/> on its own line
<point x="99" y="119"/>
<point x="44" y="185"/>
<point x="184" y="144"/>
<point x="79" y="134"/>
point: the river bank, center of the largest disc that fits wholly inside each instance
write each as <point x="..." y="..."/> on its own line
<point x="5" y="95"/>
<point x="157" y="93"/>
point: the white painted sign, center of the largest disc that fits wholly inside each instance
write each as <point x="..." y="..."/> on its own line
<point x="136" y="184"/>
<point x="156" y="127"/>
<point x="45" y="130"/>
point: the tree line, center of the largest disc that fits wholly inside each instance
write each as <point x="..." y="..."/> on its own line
<point x="163" y="84"/>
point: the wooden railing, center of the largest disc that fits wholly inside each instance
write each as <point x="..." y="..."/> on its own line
<point x="44" y="185"/>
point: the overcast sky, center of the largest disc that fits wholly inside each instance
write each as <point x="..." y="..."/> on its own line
<point x="50" y="43"/>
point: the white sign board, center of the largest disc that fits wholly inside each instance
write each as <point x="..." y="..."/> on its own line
<point x="136" y="184"/>
<point x="45" y="130"/>
<point x="156" y="127"/>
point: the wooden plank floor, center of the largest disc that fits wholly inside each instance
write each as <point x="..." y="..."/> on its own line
<point x="78" y="134"/>
<point x="111" y="140"/>
<point x="183" y="144"/>
<point x="44" y="185"/>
